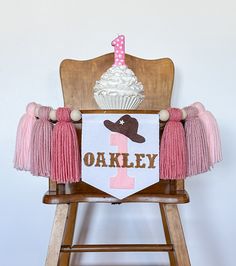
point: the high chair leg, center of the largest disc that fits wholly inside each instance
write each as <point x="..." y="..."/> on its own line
<point x="69" y="233"/>
<point x="167" y="235"/>
<point x="174" y="235"/>
<point x="57" y="235"/>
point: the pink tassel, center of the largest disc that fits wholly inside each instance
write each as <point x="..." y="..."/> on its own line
<point x="65" y="163"/>
<point x="197" y="149"/>
<point x="41" y="143"/>
<point x="23" y="138"/>
<point x="173" y="153"/>
<point x="212" y="133"/>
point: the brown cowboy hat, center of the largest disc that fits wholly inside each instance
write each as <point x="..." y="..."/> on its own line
<point x="127" y="126"/>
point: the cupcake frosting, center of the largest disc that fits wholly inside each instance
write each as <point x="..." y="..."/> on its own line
<point x="119" y="81"/>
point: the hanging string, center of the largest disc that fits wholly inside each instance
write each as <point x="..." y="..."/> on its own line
<point x="197" y="149"/>
<point x="173" y="164"/>
<point x="41" y="144"/>
<point x="65" y="162"/>
<point x="23" y="138"/>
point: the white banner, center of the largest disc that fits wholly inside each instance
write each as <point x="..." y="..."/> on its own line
<point x="120" y="152"/>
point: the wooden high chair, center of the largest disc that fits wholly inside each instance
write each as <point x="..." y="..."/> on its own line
<point x="78" y="79"/>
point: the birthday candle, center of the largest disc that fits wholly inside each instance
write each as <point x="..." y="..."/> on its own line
<point x="119" y="50"/>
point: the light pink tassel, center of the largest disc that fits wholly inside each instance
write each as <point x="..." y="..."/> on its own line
<point x="173" y="153"/>
<point x="212" y="133"/>
<point x="65" y="163"/>
<point x="23" y="138"/>
<point x="41" y="143"/>
<point x="197" y="149"/>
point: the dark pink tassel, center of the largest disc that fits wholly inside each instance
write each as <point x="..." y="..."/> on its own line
<point x="212" y="133"/>
<point x="173" y="148"/>
<point x="41" y="143"/>
<point x="23" y="138"/>
<point x="197" y="149"/>
<point x="65" y="163"/>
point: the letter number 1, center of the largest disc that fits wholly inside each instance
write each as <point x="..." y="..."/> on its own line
<point x="121" y="180"/>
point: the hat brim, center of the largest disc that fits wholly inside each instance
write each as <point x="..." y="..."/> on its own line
<point x="115" y="128"/>
<point x="111" y="126"/>
<point x="137" y="138"/>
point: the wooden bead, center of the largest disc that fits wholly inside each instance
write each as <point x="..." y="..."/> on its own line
<point x="52" y="115"/>
<point x="75" y="115"/>
<point x="184" y="114"/>
<point x="164" y="115"/>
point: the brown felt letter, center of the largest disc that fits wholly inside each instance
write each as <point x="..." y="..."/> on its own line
<point x="114" y="160"/>
<point x="151" y="158"/>
<point x="139" y="157"/>
<point x="126" y="163"/>
<point x="89" y="159"/>
<point x="100" y="162"/>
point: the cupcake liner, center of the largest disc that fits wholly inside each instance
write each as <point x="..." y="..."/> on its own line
<point x="118" y="102"/>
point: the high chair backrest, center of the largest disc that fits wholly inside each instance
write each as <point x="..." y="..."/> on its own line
<point x="78" y="79"/>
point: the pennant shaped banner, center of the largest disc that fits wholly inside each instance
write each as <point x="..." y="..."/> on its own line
<point x="120" y="152"/>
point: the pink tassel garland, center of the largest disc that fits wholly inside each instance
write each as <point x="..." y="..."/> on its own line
<point x="23" y="138"/>
<point x="212" y="133"/>
<point x="65" y="162"/>
<point x="41" y="143"/>
<point x="197" y="149"/>
<point x="173" y="153"/>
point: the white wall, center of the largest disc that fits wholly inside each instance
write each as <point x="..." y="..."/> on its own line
<point x="200" y="38"/>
